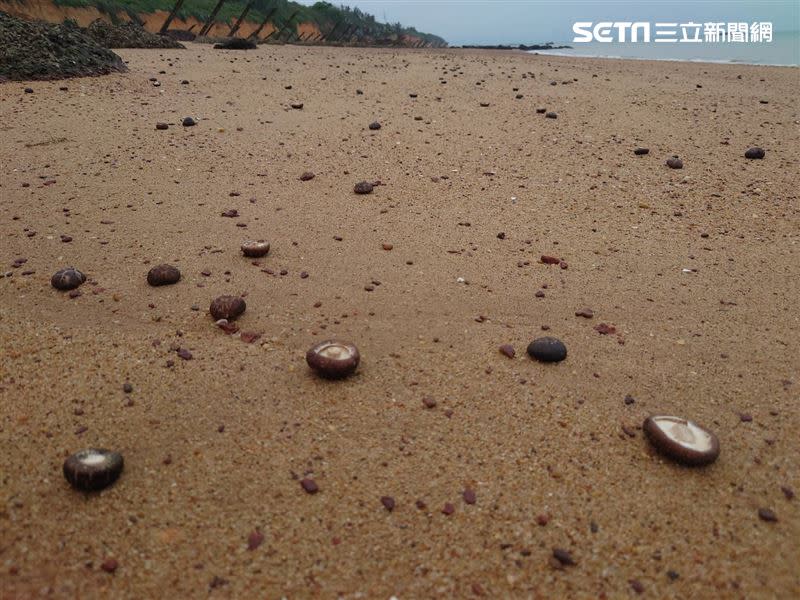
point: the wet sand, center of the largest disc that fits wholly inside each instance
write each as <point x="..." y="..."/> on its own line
<point x="696" y="270"/>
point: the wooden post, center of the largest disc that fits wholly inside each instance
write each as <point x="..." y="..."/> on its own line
<point x="238" y="23"/>
<point x="171" y="16"/>
<point x="263" y="23"/>
<point x="210" y="21"/>
<point x="288" y="22"/>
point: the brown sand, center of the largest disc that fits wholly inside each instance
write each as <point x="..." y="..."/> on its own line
<point x="531" y="440"/>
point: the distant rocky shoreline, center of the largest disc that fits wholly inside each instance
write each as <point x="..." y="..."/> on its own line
<point x="547" y="46"/>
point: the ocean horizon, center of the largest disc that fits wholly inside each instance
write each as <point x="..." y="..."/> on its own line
<point x="784" y="51"/>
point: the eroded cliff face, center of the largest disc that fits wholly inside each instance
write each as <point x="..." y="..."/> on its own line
<point x="47" y="10"/>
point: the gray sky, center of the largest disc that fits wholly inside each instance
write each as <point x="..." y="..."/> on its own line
<point x="531" y="21"/>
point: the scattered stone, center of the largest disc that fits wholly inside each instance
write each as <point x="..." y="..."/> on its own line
<point x="767" y="514"/>
<point x="309" y="485"/>
<point x="387" y="246"/>
<point x="428" y="402"/>
<point x="508" y="350"/>
<point x="363" y="187"/>
<point x="549" y="260"/>
<point x="683" y="441"/>
<point x="674" y="163"/>
<point x="163" y="275"/>
<point x="127" y="387"/>
<point x="162" y="126"/>
<point x="563" y="557"/>
<point x="255" y="539"/>
<point x="754" y="153"/>
<point x="227" y="307"/>
<point x="374" y="126"/>
<point x="189" y="122"/>
<point x="93" y="469"/>
<point x="388" y="503"/>
<point x="448" y="509"/>
<point x="636" y="586"/>
<point x="307" y="176"/>
<point x="333" y="359"/>
<point x="541" y="110"/>
<point x="67" y="279"/>
<point x="184" y="354"/>
<point x="231" y="213"/>
<point x="297" y="105"/>
<point x="551" y="115"/>
<point x="641" y="151"/>
<point x="586" y="313"/>
<point x="605" y="329"/>
<point x="255" y="249"/>
<point x="547" y="349"/>
<point x="469" y="496"/>
<point x="109" y="565"/>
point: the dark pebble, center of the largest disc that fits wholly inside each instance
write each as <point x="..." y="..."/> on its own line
<point x="754" y="153"/>
<point x="109" y="565"/>
<point x="564" y="557"/>
<point x="309" y="485"/>
<point x="551" y="115"/>
<point x="674" y="163"/>
<point x="469" y="496"/>
<point x="388" y="503"/>
<point x="163" y="275"/>
<point x="586" y="313"/>
<point x="374" y="126"/>
<point x="227" y="307"/>
<point x="641" y="151"/>
<point x="766" y="514"/>
<point x="127" y="388"/>
<point x="162" y="126"/>
<point x="428" y="402"/>
<point x="508" y="350"/>
<point x="93" y="469"/>
<point x="541" y="111"/>
<point x="448" y="509"/>
<point x="255" y="249"/>
<point x="307" y="176"/>
<point x="297" y="105"/>
<point x="189" y="122"/>
<point x="363" y="187"/>
<point x="67" y="279"/>
<point x="547" y="349"/>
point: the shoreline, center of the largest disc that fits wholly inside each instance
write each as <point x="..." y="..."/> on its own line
<point x="638" y="58"/>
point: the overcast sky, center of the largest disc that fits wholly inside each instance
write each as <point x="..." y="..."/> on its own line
<point x="531" y="21"/>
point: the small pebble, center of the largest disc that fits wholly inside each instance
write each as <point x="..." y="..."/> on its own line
<point x="547" y="349"/>
<point x="189" y="122"/>
<point x="754" y="153"/>
<point x="363" y="187"/>
<point x="67" y="279"/>
<point x="309" y="485"/>
<point x="227" y="307"/>
<point x="163" y="275"/>
<point x="641" y="151"/>
<point x="674" y="163"/>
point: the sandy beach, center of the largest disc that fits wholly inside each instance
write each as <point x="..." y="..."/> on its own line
<point x="692" y="277"/>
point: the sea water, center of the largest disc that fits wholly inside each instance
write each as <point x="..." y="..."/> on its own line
<point x="784" y="49"/>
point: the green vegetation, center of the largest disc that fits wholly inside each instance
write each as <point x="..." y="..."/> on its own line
<point x="328" y="18"/>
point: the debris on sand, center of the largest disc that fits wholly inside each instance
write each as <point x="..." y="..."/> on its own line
<point x="127" y="35"/>
<point x="236" y="44"/>
<point x="38" y="50"/>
